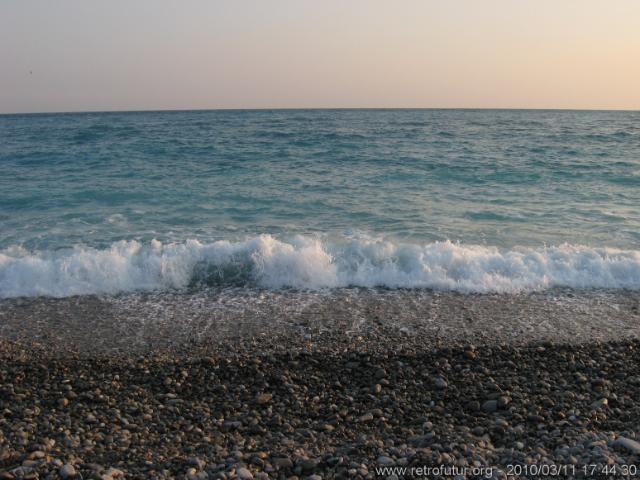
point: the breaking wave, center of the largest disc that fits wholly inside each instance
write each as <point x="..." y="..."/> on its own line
<point x="310" y="263"/>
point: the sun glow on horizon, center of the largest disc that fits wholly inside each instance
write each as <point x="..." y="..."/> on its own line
<point x="76" y="55"/>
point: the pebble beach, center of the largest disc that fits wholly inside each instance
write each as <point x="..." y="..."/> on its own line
<point x="307" y="401"/>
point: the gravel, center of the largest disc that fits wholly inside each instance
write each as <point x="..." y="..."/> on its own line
<point x="278" y="409"/>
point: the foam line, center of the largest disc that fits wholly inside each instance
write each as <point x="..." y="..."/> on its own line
<point x="310" y="263"/>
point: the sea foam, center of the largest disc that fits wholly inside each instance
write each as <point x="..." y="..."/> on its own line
<point x="311" y="263"/>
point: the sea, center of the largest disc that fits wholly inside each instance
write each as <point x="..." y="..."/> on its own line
<point x="274" y="201"/>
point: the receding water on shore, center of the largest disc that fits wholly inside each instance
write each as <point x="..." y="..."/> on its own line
<point x="212" y="318"/>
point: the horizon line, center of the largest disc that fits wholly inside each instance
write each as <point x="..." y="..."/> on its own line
<point x="239" y="109"/>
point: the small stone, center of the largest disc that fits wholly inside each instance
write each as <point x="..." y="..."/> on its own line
<point x="22" y="472"/>
<point x="229" y="425"/>
<point x="237" y="454"/>
<point x="307" y="464"/>
<point x="197" y="462"/>
<point x="380" y="373"/>
<point x="327" y="427"/>
<point x="67" y="471"/>
<point x="367" y="417"/>
<point x="244" y="474"/>
<point x="114" y="473"/>
<point x="384" y="460"/>
<point x="421" y="441"/>
<point x="192" y="474"/>
<point x="628" y="444"/>
<point x="283" y="462"/>
<point x="598" y="404"/>
<point x="264" y="398"/>
<point x="502" y="423"/>
<point x="474" y="405"/>
<point x="490" y="406"/>
<point x="440" y="383"/>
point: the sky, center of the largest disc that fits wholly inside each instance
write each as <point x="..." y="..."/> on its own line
<point x="88" y="55"/>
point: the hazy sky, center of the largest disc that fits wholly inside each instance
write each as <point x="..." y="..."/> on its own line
<point x="67" y="55"/>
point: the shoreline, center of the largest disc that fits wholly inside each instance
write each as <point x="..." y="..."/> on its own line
<point x="209" y="321"/>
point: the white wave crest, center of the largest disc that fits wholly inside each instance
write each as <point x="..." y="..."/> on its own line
<point x="309" y="263"/>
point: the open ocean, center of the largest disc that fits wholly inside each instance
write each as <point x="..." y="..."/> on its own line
<point x="449" y="200"/>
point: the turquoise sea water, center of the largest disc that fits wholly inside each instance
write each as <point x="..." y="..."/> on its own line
<point x="470" y="200"/>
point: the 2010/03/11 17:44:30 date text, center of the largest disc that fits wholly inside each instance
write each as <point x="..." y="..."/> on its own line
<point x="591" y="470"/>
